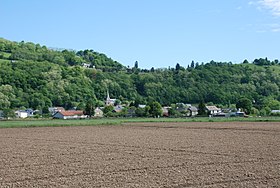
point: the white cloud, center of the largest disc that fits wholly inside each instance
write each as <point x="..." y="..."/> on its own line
<point x="239" y="8"/>
<point x="275" y="27"/>
<point x="273" y="5"/>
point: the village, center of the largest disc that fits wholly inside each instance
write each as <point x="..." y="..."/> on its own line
<point x="113" y="109"/>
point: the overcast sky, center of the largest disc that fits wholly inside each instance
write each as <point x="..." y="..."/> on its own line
<point x="156" y="33"/>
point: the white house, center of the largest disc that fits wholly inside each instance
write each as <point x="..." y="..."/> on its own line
<point x="98" y="112"/>
<point x="213" y="110"/>
<point x="275" y="111"/>
<point x="165" y="111"/>
<point x="193" y="111"/>
<point x="70" y="114"/>
<point x="86" y="65"/>
<point x="21" y="114"/>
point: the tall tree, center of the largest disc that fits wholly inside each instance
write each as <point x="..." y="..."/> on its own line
<point x="177" y="67"/>
<point x="202" y="109"/>
<point x="90" y="107"/>
<point x="136" y="65"/>
<point x="155" y="109"/>
<point x="245" y="104"/>
<point x="192" y="64"/>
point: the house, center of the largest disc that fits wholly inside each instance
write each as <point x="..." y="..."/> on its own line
<point x="21" y="114"/>
<point x="86" y="65"/>
<point x="165" y="111"/>
<point x="131" y="112"/>
<point x="118" y="108"/>
<point x="193" y="111"/>
<point x="53" y="110"/>
<point x="213" y="110"/>
<point x="70" y="114"/>
<point x="275" y="112"/>
<point x="182" y="108"/>
<point x="98" y="112"/>
<point x="30" y="112"/>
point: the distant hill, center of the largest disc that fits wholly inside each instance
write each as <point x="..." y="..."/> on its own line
<point x="36" y="52"/>
<point x="33" y="76"/>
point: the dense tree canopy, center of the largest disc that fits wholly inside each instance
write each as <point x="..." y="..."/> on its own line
<point x="33" y="76"/>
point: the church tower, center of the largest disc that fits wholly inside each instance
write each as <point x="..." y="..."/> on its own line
<point x="108" y="98"/>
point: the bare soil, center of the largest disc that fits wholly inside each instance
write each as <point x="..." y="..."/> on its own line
<point x="142" y="155"/>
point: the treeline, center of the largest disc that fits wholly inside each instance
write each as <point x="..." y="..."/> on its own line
<point x="33" y="76"/>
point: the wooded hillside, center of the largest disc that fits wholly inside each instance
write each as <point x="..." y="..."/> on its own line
<point x="33" y="76"/>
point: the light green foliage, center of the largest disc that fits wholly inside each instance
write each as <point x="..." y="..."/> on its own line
<point x="155" y="109"/>
<point x="37" y="77"/>
<point x="108" y="109"/>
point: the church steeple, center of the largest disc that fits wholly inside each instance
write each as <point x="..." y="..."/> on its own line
<point x="108" y="96"/>
<point x="108" y="100"/>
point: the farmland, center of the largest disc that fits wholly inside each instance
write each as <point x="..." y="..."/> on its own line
<point x="142" y="154"/>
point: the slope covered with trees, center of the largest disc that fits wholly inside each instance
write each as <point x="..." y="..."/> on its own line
<point x="33" y="76"/>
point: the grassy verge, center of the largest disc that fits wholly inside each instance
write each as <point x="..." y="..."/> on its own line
<point x="119" y="121"/>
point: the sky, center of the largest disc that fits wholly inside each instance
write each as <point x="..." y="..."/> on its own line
<point x="156" y="33"/>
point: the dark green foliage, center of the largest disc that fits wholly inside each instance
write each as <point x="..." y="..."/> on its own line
<point x="245" y="104"/>
<point x="142" y="112"/>
<point x="33" y="76"/>
<point x="202" y="109"/>
<point x="89" y="108"/>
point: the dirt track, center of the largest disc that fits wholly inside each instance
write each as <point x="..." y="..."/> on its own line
<point x="142" y="155"/>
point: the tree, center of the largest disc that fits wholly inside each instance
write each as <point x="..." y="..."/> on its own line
<point x="4" y="101"/>
<point x="245" y="104"/>
<point x="171" y="111"/>
<point x="177" y="67"/>
<point x="192" y="64"/>
<point x="108" y="109"/>
<point x="202" y="109"/>
<point x="117" y="102"/>
<point x="141" y="112"/>
<point x="245" y="61"/>
<point x="136" y="65"/>
<point x="8" y="113"/>
<point x="90" y="107"/>
<point x="155" y="109"/>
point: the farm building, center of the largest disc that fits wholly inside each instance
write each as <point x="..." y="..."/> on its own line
<point x="165" y="111"/>
<point x="275" y="112"/>
<point x="53" y="110"/>
<point x="213" y="110"/>
<point x="70" y="114"/>
<point x="21" y="114"/>
<point x="193" y="111"/>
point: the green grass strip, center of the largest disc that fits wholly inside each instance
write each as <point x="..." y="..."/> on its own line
<point x="119" y="121"/>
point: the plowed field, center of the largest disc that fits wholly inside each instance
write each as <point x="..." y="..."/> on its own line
<point x="142" y="155"/>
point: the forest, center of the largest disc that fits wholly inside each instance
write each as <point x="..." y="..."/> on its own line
<point x="38" y="77"/>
